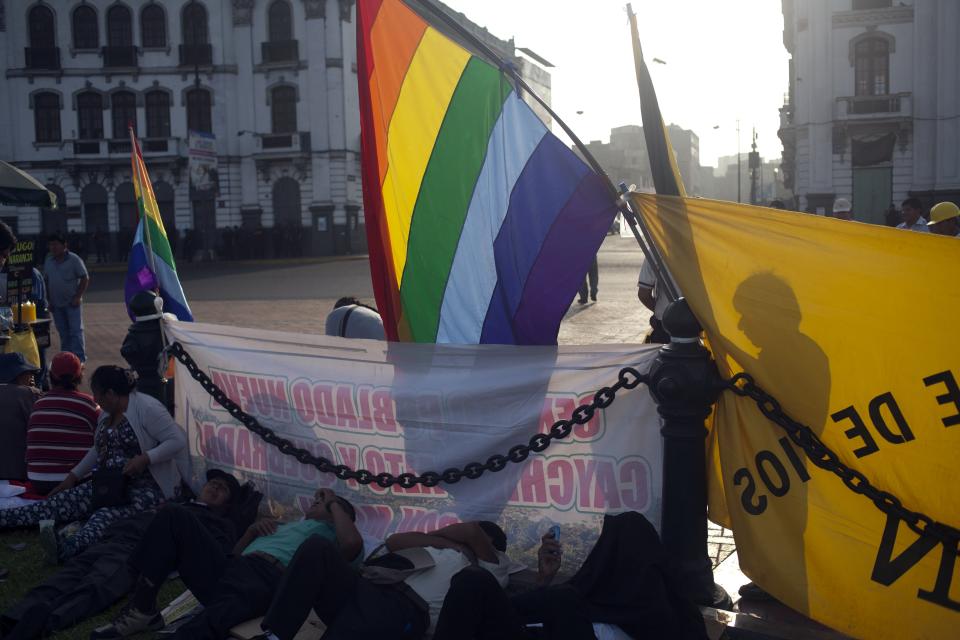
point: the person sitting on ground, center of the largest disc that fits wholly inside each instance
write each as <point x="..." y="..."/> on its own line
<point x="138" y="449"/>
<point x="231" y="589"/>
<point x="351" y="318"/>
<point x="626" y="580"/>
<point x="361" y="606"/>
<point x="100" y="575"/>
<point x="18" y="394"/>
<point x="61" y="426"/>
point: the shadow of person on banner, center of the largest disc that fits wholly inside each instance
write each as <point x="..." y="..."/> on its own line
<point x="793" y="368"/>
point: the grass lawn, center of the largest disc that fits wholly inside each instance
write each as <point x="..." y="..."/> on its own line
<point x="27" y="569"/>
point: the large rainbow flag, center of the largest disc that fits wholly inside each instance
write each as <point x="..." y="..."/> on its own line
<point x="481" y="224"/>
<point x="151" y="265"/>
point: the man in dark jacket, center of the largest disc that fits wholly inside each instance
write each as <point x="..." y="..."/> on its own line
<point x="102" y="574"/>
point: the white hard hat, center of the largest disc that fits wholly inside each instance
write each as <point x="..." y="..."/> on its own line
<point x="842" y="205"/>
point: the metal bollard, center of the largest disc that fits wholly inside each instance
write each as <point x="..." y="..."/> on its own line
<point x="143" y="344"/>
<point x="685" y="384"/>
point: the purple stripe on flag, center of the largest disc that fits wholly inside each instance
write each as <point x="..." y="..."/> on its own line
<point x="546" y="184"/>
<point x="567" y="252"/>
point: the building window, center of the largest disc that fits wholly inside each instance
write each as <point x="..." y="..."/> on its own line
<point x="85" y="33"/>
<point x="194" y="23"/>
<point x="40" y="25"/>
<point x="859" y="5"/>
<point x="283" y="109"/>
<point x="158" y="114"/>
<point x="153" y="27"/>
<point x="280" y="23"/>
<point x="127" y="213"/>
<point x="46" y="117"/>
<point x="119" y="27"/>
<point x="872" y="64"/>
<point x="123" y="109"/>
<point x="89" y="116"/>
<point x="198" y="111"/>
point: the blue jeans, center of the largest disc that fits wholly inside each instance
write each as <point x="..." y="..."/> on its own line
<point x="69" y="321"/>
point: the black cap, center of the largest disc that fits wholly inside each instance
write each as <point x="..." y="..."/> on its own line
<point x="232" y="482"/>
<point x="12" y="365"/>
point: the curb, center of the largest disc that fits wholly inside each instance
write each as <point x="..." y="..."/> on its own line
<point x="119" y="267"/>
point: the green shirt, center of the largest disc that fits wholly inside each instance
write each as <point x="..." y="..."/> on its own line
<point x="288" y="538"/>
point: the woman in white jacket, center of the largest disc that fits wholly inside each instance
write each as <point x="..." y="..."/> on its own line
<point x="136" y="436"/>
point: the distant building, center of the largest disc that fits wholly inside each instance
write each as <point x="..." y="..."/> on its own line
<point x="720" y="182"/>
<point x="624" y="157"/>
<point x="873" y="110"/>
<point x="273" y="81"/>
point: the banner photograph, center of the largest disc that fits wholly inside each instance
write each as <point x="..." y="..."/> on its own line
<point x="393" y="407"/>
<point x="840" y="323"/>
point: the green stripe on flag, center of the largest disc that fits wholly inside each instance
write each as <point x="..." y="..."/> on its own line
<point x="158" y="239"/>
<point x="445" y="193"/>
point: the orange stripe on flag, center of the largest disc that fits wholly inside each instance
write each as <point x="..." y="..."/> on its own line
<point x="394" y="39"/>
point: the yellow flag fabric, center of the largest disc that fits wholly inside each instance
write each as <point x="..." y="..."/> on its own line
<point x="26" y="343"/>
<point x="853" y="328"/>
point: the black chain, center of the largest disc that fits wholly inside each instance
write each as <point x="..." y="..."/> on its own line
<point x="743" y="384"/>
<point x="628" y="378"/>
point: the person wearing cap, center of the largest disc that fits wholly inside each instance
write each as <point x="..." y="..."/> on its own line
<point x="911" y="211"/>
<point x="231" y="588"/>
<point x="351" y="318"/>
<point x="842" y="209"/>
<point x="61" y="426"/>
<point x="18" y="394"/>
<point x="99" y="576"/>
<point x="945" y="219"/>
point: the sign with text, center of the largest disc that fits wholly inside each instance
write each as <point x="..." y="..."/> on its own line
<point x="202" y="155"/>
<point x="848" y="327"/>
<point x="401" y="407"/>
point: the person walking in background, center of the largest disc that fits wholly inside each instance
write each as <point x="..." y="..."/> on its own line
<point x="650" y="295"/>
<point x="911" y="211"/>
<point x="590" y="283"/>
<point x="351" y="318"/>
<point x="61" y="427"/>
<point x="67" y="280"/>
<point x="842" y="209"/>
<point x="945" y="219"/>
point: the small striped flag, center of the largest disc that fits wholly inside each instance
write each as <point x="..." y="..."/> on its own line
<point x="151" y="265"/>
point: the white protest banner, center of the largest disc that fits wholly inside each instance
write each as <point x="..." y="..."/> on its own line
<point x="401" y="407"/>
<point x="202" y="154"/>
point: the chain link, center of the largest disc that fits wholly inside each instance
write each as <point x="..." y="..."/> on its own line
<point x="743" y="384"/>
<point x="628" y="378"/>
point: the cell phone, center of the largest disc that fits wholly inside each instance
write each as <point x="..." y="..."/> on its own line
<point x="555" y="530"/>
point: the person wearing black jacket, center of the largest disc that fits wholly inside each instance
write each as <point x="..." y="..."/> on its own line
<point x="626" y="580"/>
<point x="100" y="575"/>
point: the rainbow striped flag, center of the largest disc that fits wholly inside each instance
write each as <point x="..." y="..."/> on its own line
<point x="481" y="224"/>
<point x="151" y="265"/>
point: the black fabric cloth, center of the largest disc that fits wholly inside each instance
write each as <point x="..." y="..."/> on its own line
<point x="659" y="335"/>
<point x="869" y="152"/>
<point x="351" y="607"/>
<point x="96" y="578"/>
<point x="627" y="581"/>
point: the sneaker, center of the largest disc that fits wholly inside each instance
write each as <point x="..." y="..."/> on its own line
<point x="49" y="543"/>
<point x="593" y="297"/>
<point x="130" y="621"/>
<point x="753" y="591"/>
<point x="582" y="301"/>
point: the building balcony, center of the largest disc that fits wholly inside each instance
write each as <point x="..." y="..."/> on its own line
<point x="159" y="146"/>
<point x="295" y="143"/>
<point x="853" y="108"/>
<point x="119" y="57"/>
<point x="280" y="51"/>
<point x="43" y="58"/>
<point x="82" y="148"/>
<point x="195" y="55"/>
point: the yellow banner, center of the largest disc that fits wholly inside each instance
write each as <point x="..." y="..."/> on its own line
<point x="853" y="328"/>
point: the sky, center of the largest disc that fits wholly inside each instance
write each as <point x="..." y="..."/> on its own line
<point x="725" y="61"/>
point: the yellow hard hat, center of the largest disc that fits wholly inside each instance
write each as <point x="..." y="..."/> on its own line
<point x="943" y="211"/>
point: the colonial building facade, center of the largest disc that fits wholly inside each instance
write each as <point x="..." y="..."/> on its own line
<point x="873" y="111"/>
<point x="273" y="81"/>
